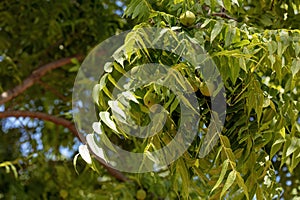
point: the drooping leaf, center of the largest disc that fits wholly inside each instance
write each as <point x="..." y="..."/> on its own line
<point x="295" y="145"/>
<point x="95" y="93"/>
<point x="182" y="170"/>
<point x="229" y="35"/>
<point x="75" y="163"/>
<point x="255" y="98"/>
<point x="295" y="66"/>
<point x="222" y="174"/>
<point x="216" y="30"/>
<point x="97" y="127"/>
<point x="276" y="146"/>
<point x="230" y="180"/>
<point x="242" y="184"/>
<point x="85" y="154"/>
<point x="105" y="117"/>
<point x="95" y="148"/>
<point x="211" y="137"/>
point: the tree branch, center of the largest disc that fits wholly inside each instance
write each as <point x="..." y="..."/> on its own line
<point x="51" y="89"/>
<point x="43" y="116"/>
<point x="224" y="15"/>
<point x="66" y="123"/>
<point x="33" y="77"/>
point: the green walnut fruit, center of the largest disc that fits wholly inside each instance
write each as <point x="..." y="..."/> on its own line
<point x="150" y="99"/>
<point x="188" y="18"/>
<point x="207" y="88"/>
<point x="141" y="194"/>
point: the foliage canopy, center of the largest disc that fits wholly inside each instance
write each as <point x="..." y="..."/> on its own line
<point x="254" y="44"/>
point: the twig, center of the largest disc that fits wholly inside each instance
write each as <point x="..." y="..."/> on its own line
<point x="43" y="116"/>
<point x="51" y="89"/>
<point x="223" y="15"/>
<point x="35" y="76"/>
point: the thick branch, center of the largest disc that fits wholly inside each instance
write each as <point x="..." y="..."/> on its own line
<point x="43" y="116"/>
<point x="66" y="123"/>
<point x="33" y="77"/>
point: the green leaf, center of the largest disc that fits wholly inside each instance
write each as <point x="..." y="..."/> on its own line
<point x="75" y="61"/>
<point x="241" y="183"/>
<point x="95" y="93"/>
<point x="174" y="105"/>
<point x="284" y="151"/>
<point x="227" y="5"/>
<point x="255" y="98"/>
<point x="295" y="144"/>
<point x="222" y="174"/>
<point x="225" y="141"/>
<point x="295" y="66"/>
<point x="272" y="47"/>
<point x="229" y="35"/>
<point x="184" y="174"/>
<point x="216" y="30"/>
<point x="130" y="45"/>
<point x="119" y="68"/>
<point x="207" y="21"/>
<point x="234" y="69"/>
<point x="14" y="170"/>
<point x="230" y="180"/>
<point x="242" y="63"/>
<point x="138" y="9"/>
<point x="259" y="193"/>
<point x="241" y="43"/>
<point x="102" y="82"/>
<point x="170" y="100"/>
<point x="211" y="137"/>
<point x="113" y="81"/>
<point x="107" y="92"/>
<point x="75" y="163"/>
<point x="230" y="155"/>
<point x="295" y="160"/>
